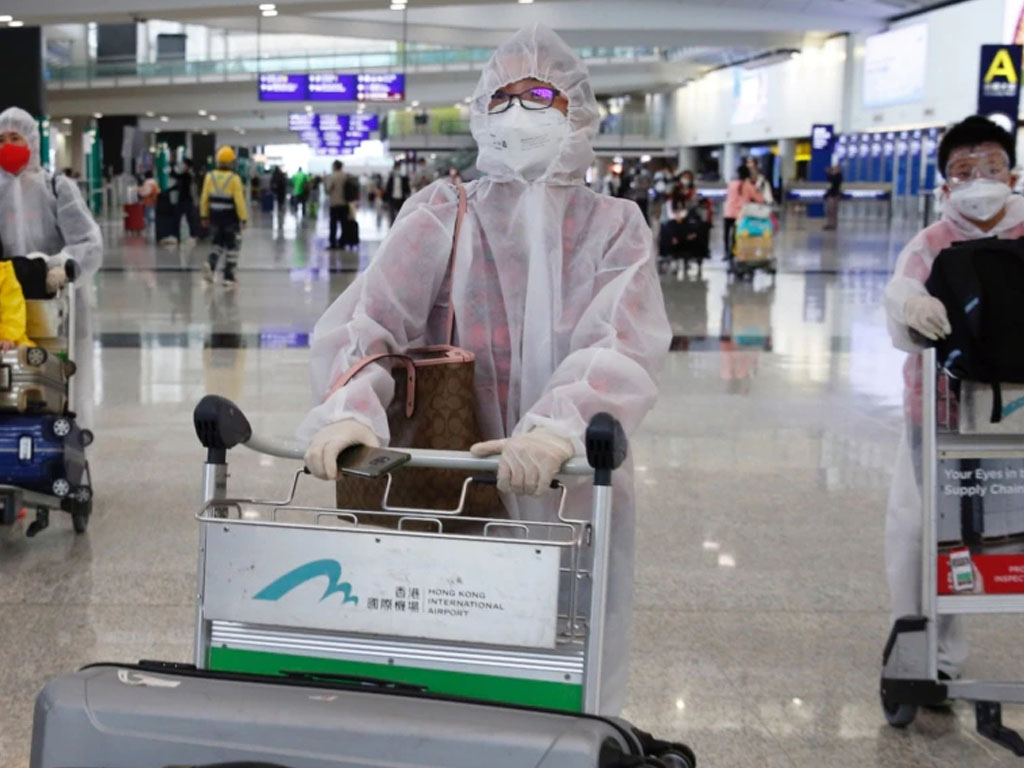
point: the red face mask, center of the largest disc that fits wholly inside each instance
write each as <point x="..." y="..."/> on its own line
<point x="14" y="157"/>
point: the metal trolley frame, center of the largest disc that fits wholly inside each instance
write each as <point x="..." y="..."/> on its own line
<point x="237" y="632"/>
<point x="910" y="675"/>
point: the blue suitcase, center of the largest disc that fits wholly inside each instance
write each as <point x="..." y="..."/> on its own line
<point x="44" y="453"/>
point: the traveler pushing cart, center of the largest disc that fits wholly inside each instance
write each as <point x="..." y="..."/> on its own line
<point x="45" y="466"/>
<point x="971" y="548"/>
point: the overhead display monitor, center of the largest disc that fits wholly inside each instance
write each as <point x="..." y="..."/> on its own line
<point x="332" y="86"/>
<point x="282" y="87"/>
<point x="894" y="66"/>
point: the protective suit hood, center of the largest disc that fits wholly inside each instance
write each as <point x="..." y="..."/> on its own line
<point x="537" y="52"/>
<point x="18" y="120"/>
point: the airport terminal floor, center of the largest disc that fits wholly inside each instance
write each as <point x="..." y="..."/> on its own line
<point x="761" y="604"/>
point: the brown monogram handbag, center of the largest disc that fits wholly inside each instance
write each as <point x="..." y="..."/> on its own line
<point x="434" y="406"/>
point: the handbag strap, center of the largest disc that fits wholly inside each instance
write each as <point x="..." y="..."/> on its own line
<point x="450" y="324"/>
<point x="410" y="377"/>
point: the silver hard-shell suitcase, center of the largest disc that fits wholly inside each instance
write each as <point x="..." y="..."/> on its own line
<point x="152" y="715"/>
<point x="33" y="379"/>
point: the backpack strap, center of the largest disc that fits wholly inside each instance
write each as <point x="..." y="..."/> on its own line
<point x="450" y="324"/>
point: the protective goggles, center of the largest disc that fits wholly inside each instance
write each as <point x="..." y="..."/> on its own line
<point x="968" y="166"/>
<point x="537" y="98"/>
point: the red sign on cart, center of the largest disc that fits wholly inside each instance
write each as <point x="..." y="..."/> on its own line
<point x="980" y="574"/>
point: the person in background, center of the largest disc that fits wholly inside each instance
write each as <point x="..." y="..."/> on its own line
<point x="313" y="187"/>
<point x="833" y="195"/>
<point x="397" y="189"/>
<point x="186" y="200"/>
<point x="761" y="182"/>
<point x="300" y="191"/>
<point x="740" y="192"/>
<point x="612" y="183"/>
<point x="423" y="176"/>
<point x="279" y="186"/>
<point x="977" y="158"/>
<point x="45" y="217"/>
<point x="554" y="291"/>
<point x="686" y="199"/>
<point x="222" y="206"/>
<point x="640" y="191"/>
<point x="148" y="192"/>
<point x="337" y="202"/>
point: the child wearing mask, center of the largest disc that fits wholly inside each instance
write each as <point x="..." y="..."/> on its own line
<point x="977" y="159"/>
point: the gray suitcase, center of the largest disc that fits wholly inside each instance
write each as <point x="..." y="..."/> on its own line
<point x="152" y="715"/>
<point x="32" y="379"/>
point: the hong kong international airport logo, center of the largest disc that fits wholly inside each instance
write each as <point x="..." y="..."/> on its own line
<point x="317" y="569"/>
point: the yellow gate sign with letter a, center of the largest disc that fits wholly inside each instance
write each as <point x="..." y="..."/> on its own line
<point x="999" y="88"/>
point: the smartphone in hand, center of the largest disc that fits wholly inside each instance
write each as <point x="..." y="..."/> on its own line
<point x="363" y="461"/>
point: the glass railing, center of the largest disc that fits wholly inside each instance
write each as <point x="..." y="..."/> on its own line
<point x="410" y="60"/>
<point x="624" y="126"/>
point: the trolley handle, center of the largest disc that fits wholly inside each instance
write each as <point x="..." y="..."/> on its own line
<point x="220" y="426"/>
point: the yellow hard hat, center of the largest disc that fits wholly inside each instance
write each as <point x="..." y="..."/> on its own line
<point x="225" y="155"/>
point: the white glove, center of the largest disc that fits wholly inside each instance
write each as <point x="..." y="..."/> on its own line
<point x="529" y="462"/>
<point x="927" y="315"/>
<point x="327" y="444"/>
<point x="56" y="278"/>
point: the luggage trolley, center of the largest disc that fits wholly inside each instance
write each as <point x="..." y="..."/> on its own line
<point x="507" y="611"/>
<point x="36" y="391"/>
<point x="951" y="583"/>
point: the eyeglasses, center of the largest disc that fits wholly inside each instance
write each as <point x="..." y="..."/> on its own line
<point x="988" y="165"/>
<point x="534" y="98"/>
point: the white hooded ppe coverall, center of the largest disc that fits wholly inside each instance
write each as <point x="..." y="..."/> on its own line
<point x="555" y="292"/>
<point x="904" y="511"/>
<point x="34" y="220"/>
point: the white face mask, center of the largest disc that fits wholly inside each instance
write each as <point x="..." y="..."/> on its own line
<point x="526" y="140"/>
<point x="980" y="199"/>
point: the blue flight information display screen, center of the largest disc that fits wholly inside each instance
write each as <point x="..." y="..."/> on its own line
<point x="332" y="86"/>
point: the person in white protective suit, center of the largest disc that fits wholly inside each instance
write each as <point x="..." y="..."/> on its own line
<point x="45" y="217"/>
<point x="977" y="158"/>
<point x="555" y="292"/>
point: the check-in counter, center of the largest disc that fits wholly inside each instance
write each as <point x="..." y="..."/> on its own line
<point x="865" y="199"/>
<point x="714" y="191"/>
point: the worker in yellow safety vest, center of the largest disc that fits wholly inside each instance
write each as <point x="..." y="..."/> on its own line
<point x="222" y="208"/>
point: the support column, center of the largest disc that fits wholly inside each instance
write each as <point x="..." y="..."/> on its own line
<point x="21" y="56"/>
<point x="76" y="144"/>
<point x="787" y="160"/>
<point x="687" y="159"/>
<point x="730" y="161"/>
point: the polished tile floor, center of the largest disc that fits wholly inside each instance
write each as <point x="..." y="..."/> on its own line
<point x="762" y="477"/>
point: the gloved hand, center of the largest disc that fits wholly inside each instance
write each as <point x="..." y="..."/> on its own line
<point x="529" y="462"/>
<point x="327" y="444"/>
<point x="927" y="315"/>
<point x="56" y="278"/>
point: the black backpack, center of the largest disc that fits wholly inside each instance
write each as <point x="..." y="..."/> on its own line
<point x="351" y="189"/>
<point x="981" y="284"/>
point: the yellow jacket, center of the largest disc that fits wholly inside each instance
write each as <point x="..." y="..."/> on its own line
<point x="223" y="184"/>
<point x="12" y="307"/>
